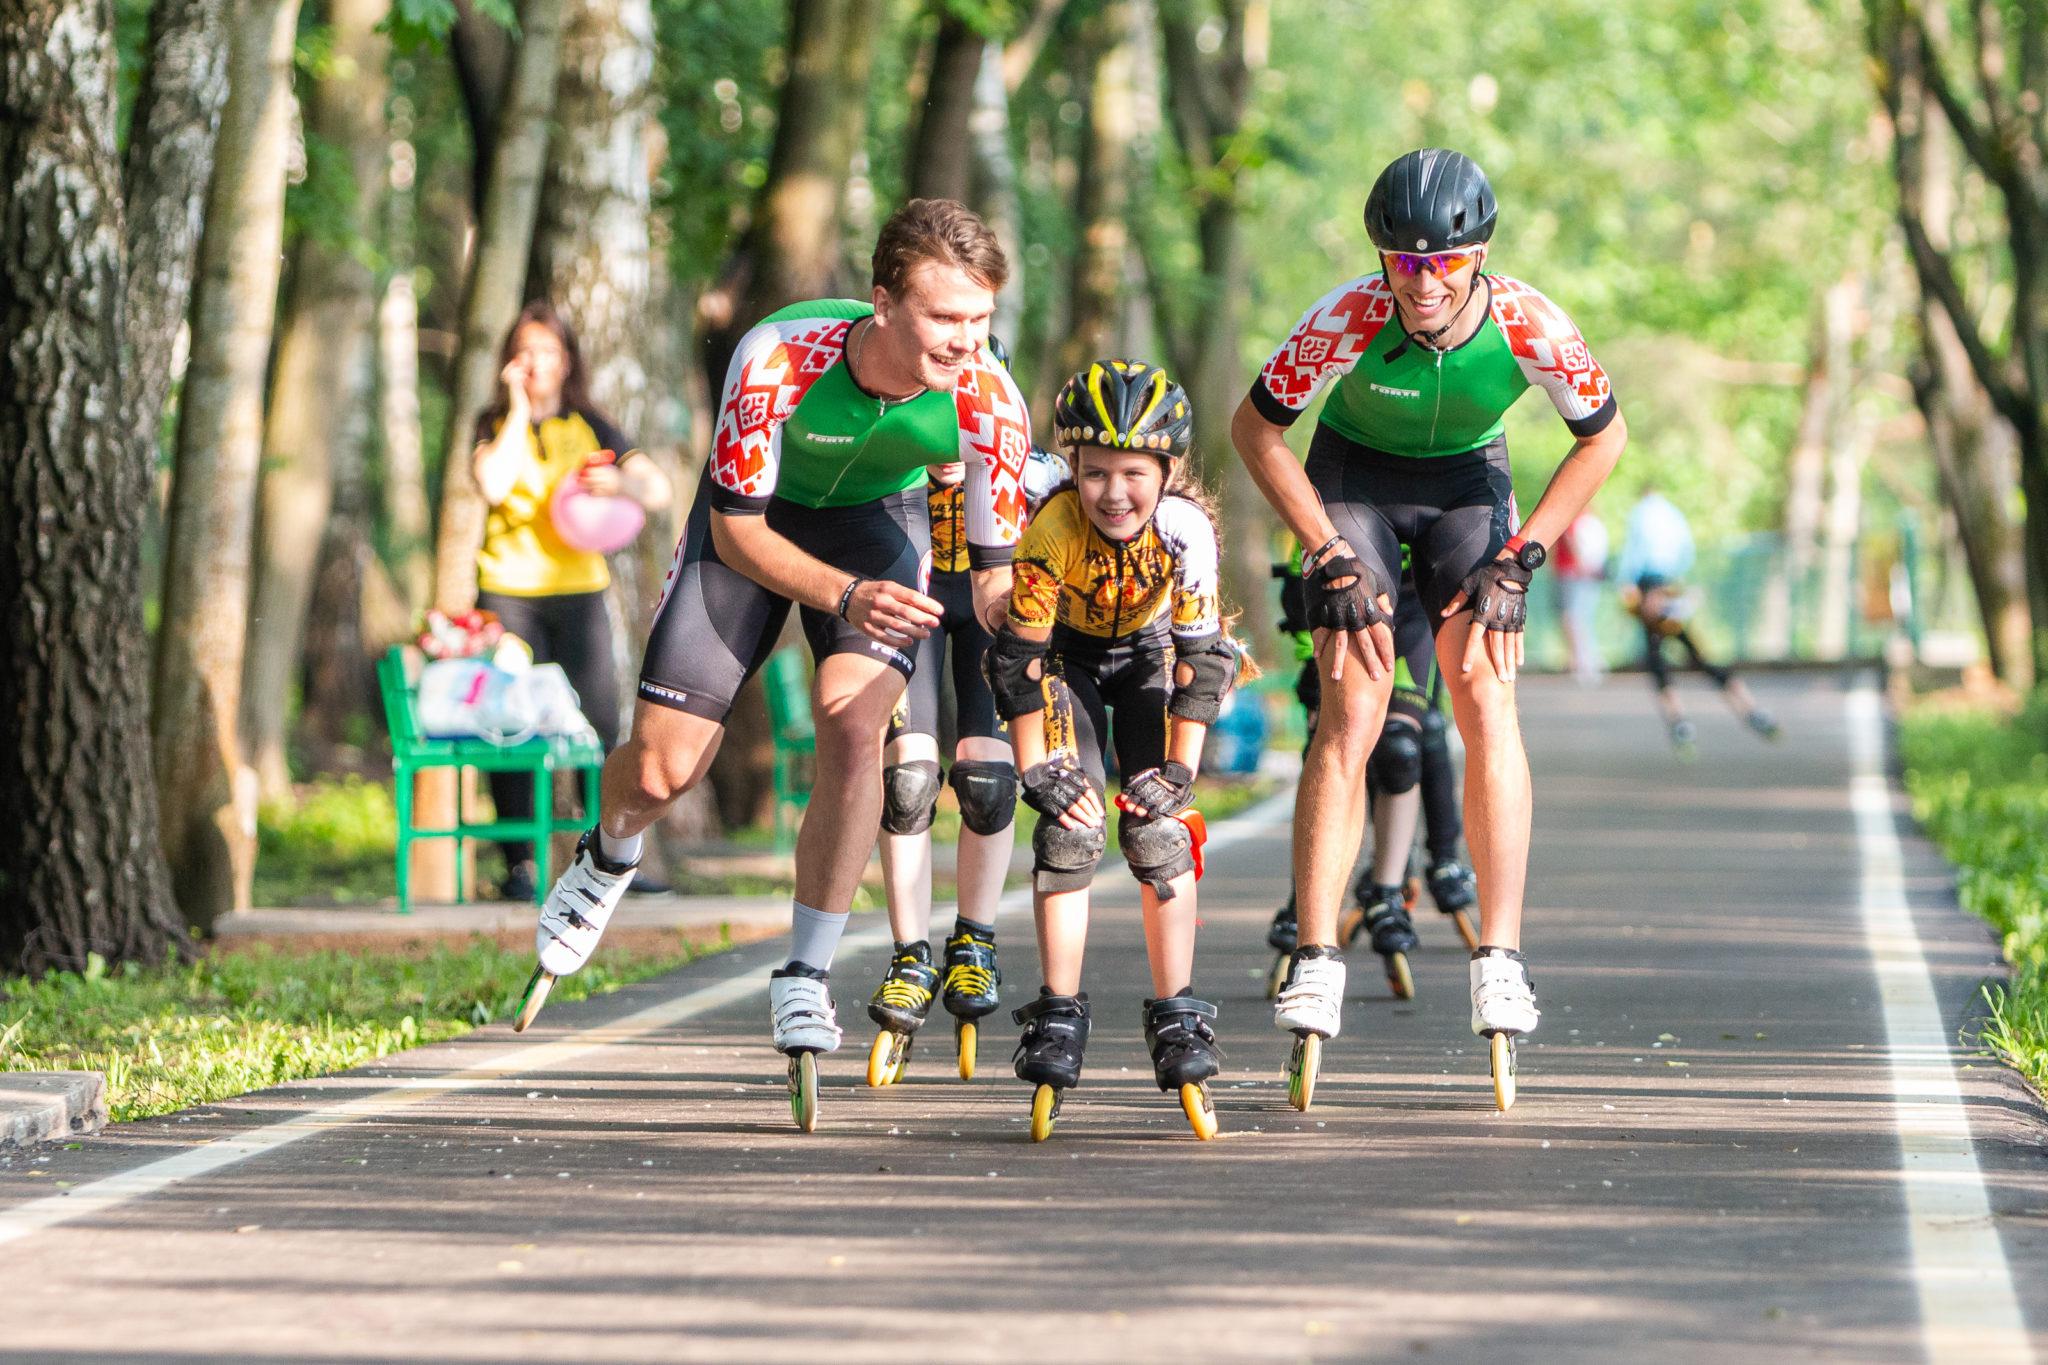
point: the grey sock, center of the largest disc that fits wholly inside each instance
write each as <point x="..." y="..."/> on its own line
<point x="814" y="936"/>
<point x="961" y="922"/>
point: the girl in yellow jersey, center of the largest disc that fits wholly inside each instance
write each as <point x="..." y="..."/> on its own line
<point x="1115" y="610"/>
<point x="540" y="432"/>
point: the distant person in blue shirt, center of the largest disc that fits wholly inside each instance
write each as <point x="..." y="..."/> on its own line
<point x="1656" y="554"/>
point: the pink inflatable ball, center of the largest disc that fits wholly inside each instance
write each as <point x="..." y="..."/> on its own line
<point x="585" y="521"/>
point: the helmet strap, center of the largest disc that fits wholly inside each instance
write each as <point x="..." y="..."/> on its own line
<point x="1430" y="338"/>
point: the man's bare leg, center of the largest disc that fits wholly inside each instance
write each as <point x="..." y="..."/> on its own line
<point x="667" y="754"/>
<point x="1497" y="794"/>
<point x="1329" y="804"/>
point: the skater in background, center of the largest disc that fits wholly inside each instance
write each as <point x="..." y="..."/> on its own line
<point x="1656" y="554"/>
<point x="1115" y="636"/>
<point x="1581" y="567"/>
<point x="541" y="431"/>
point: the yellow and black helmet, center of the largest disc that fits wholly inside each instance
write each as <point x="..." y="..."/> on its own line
<point x="1125" y="405"/>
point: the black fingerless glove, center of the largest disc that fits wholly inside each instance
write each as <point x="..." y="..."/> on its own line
<point x="1165" y="790"/>
<point x="1498" y="594"/>
<point x="1051" y="787"/>
<point x="1355" y="606"/>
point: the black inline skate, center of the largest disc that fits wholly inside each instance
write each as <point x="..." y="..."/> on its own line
<point x="1184" y="1054"/>
<point x="1455" y="891"/>
<point x="1282" y="935"/>
<point x="970" y="989"/>
<point x="1384" y="917"/>
<point x="899" y="1005"/>
<point x="1049" y="1052"/>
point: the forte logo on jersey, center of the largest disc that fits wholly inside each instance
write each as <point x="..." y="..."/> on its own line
<point x="1396" y="393"/>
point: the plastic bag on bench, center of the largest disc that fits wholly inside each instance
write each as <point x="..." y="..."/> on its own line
<point x="473" y="698"/>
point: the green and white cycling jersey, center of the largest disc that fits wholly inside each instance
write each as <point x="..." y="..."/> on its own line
<point x="1407" y="399"/>
<point x="793" y="424"/>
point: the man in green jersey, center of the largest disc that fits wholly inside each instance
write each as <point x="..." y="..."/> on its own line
<point x="813" y="497"/>
<point x="1423" y="359"/>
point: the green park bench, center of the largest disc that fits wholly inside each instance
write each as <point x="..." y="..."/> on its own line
<point x="788" y="690"/>
<point x="543" y="757"/>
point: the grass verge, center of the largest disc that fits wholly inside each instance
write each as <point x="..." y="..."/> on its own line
<point x="231" y="1022"/>
<point x="1979" y="783"/>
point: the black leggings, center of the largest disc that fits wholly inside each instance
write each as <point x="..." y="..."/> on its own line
<point x="574" y="630"/>
<point x="1654" y="636"/>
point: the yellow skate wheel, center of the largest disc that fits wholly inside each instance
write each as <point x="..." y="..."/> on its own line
<point x="1464" y="922"/>
<point x="536" y="995"/>
<point x="1503" y="1071"/>
<point x="1348" y="925"/>
<point x="803" y="1090"/>
<point x="1302" y="1067"/>
<point x="1276" y="978"/>
<point x="966" y="1035"/>
<point x="1045" y="1110"/>
<point x="1399" y="977"/>
<point x="881" y="1060"/>
<point x="1201" y="1112"/>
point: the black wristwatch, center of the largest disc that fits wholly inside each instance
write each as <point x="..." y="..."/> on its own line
<point x="1530" y="554"/>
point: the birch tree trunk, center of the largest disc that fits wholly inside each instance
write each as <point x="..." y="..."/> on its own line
<point x="323" y="394"/>
<point x="82" y="871"/>
<point x="407" y="519"/>
<point x="1102" y="191"/>
<point x="496" y="278"/>
<point x="207" y="793"/>
<point x="1788" y="596"/>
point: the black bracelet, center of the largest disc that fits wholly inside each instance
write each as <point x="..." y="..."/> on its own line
<point x="1309" y="562"/>
<point x="846" y="597"/>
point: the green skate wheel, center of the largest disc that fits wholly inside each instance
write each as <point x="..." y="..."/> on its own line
<point x="537" y="988"/>
<point x="1277" y="978"/>
<point x="1399" y="977"/>
<point x="1302" y="1068"/>
<point x="1503" y="1057"/>
<point x="1045" y="1111"/>
<point x="967" y="1036"/>
<point x="1201" y="1111"/>
<point x="803" y="1090"/>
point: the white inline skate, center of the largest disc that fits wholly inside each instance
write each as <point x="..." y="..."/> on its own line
<point x="800" y="1006"/>
<point x="1311" y="1007"/>
<point x="573" y="920"/>
<point x="1503" y="1008"/>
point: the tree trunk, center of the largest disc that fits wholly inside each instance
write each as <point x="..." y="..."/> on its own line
<point x="482" y="51"/>
<point x="993" y="186"/>
<point x="171" y="141"/>
<point x="492" y="299"/>
<point x="1102" y="190"/>
<point x="407" y="520"/>
<point x="80" y="869"/>
<point x="1848" y="447"/>
<point x="208" y="795"/>
<point x="1789" y="591"/>
<point x="322" y="397"/>
<point x="942" y="152"/>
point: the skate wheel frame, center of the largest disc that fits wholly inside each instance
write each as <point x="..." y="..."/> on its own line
<point x="1349" y="924"/>
<point x="1200" y="1109"/>
<point x="803" y="1090"/>
<point x="966" y="1037"/>
<point x="1277" y="977"/>
<point x="1464" y="923"/>
<point x="1045" y="1111"/>
<point x="888" y="1058"/>
<point x="1302" y="1066"/>
<point x="1503" y="1058"/>
<point x="1400" y="977"/>
<point x="537" y="988"/>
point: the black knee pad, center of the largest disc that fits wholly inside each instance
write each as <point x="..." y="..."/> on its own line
<point x="1064" y="859"/>
<point x="1397" y="760"/>
<point x="1158" y="850"/>
<point x="910" y="796"/>
<point x="988" y="794"/>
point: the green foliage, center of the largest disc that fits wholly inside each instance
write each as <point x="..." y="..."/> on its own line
<point x="414" y="24"/>
<point x="171" y="1037"/>
<point x="337" y="843"/>
<point x="1979" y="783"/>
<point x="716" y="72"/>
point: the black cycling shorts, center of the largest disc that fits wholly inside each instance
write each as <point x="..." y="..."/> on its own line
<point x="715" y="627"/>
<point x="1453" y="512"/>
<point x="1084" y="684"/>
<point x="1414" y="644"/>
<point x="961" y="640"/>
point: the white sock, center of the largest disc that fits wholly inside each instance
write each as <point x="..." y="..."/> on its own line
<point x="620" y="850"/>
<point x="813" y="936"/>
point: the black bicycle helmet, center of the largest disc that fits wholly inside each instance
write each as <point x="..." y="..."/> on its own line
<point x="1126" y="405"/>
<point x="1429" y="201"/>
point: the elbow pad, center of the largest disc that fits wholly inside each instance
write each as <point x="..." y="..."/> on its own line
<point x="1016" y="674"/>
<point x="1203" y="674"/>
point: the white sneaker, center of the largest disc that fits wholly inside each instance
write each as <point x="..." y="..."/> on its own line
<point x="578" y="907"/>
<point x="1503" y="1000"/>
<point x="1313" y="999"/>
<point x="801" y="1008"/>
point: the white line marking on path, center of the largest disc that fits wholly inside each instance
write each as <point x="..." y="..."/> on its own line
<point x="113" y="1191"/>
<point x="1967" y="1308"/>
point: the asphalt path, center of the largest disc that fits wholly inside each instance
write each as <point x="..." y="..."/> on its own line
<point x="1729" y="1141"/>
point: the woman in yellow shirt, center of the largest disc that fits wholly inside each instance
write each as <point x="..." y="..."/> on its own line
<point x="542" y="430"/>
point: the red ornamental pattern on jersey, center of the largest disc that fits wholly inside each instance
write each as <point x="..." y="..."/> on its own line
<point x="1542" y="337"/>
<point x="761" y="397"/>
<point x="1330" y="339"/>
<point x="996" y="430"/>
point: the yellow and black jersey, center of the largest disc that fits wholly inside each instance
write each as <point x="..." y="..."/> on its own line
<point x="1044" y="471"/>
<point x="1069" y="574"/>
